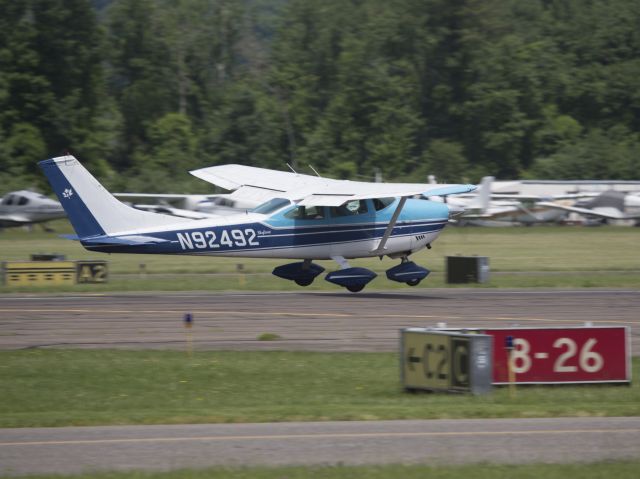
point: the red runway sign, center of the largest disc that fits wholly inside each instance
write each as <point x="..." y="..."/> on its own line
<point x="562" y="355"/>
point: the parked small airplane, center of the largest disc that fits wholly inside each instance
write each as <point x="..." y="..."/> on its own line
<point x="484" y="208"/>
<point x="530" y="202"/>
<point x="607" y="206"/>
<point x="189" y="206"/>
<point x="303" y="217"/>
<point x="24" y="207"/>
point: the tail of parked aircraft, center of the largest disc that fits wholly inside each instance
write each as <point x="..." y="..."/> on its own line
<point x="92" y="210"/>
<point x="483" y="195"/>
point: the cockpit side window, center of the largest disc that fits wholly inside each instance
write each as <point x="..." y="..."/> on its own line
<point x="22" y="201"/>
<point x="8" y="200"/>
<point x="306" y="213"/>
<point x="351" y="208"/>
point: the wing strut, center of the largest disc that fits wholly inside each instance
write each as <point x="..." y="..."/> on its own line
<point x="394" y="219"/>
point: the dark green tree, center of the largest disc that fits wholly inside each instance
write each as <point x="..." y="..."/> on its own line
<point x="52" y="81"/>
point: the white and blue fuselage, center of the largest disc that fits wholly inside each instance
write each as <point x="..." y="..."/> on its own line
<point x="280" y="228"/>
<point x="274" y="235"/>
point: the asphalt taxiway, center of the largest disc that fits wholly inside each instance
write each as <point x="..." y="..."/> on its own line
<point x="160" y="448"/>
<point x="318" y="321"/>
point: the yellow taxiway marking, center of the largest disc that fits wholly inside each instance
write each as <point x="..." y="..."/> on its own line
<point x="305" y="314"/>
<point x="178" y="312"/>
<point x="228" y="313"/>
<point x="319" y="436"/>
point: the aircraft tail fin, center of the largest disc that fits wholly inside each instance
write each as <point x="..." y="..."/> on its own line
<point x="92" y="210"/>
<point x="483" y="196"/>
<point x="608" y="199"/>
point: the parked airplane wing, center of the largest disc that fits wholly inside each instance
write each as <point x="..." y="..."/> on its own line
<point x="609" y="213"/>
<point x="537" y="198"/>
<point x="169" y="210"/>
<point x="14" y="219"/>
<point x="155" y="196"/>
<point x="314" y="190"/>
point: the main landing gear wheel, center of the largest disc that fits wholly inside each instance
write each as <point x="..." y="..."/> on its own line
<point x="355" y="288"/>
<point x="407" y="272"/>
<point x="303" y="282"/>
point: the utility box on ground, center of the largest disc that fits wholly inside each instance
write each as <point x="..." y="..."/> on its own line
<point x="467" y="269"/>
<point x="434" y="360"/>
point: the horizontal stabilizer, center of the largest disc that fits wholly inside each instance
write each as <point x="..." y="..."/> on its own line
<point x="129" y="240"/>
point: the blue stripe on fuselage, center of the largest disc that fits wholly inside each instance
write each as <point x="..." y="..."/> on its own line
<point x="418" y="217"/>
<point x="258" y="236"/>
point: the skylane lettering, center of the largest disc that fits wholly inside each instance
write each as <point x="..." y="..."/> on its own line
<point x="209" y="239"/>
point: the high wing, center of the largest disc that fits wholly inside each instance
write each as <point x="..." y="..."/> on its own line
<point x="538" y="198"/>
<point x="251" y="182"/>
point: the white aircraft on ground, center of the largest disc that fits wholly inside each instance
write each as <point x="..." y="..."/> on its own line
<point x="607" y="206"/>
<point x="189" y="206"/>
<point x="303" y="217"/>
<point x="484" y="208"/>
<point x="543" y="201"/>
<point x="20" y="208"/>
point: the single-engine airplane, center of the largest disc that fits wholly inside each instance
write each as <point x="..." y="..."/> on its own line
<point x="303" y="217"/>
<point x="24" y="208"/>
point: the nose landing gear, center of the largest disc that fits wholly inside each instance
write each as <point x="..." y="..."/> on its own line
<point x="353" y="279"/>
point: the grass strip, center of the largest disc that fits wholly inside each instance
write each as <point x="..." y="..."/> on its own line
<point x="106" y="387"/>
<point x="601" y="470"/>
<point x="266" y="282"/>
<point x="570" y="256"/>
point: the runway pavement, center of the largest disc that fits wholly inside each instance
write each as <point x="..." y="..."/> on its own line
<point x="318" y="321"/>
<point x="160" y="448"/>
<point x="305" y="321"/>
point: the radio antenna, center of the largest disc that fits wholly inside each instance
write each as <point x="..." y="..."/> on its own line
<point x="314" y="170"/>
<point x="291" y="168"/>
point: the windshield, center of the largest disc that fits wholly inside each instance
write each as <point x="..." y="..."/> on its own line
<point x="270" y="206"/>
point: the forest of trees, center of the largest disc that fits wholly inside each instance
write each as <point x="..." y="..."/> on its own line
<point x="142" y="91"/>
